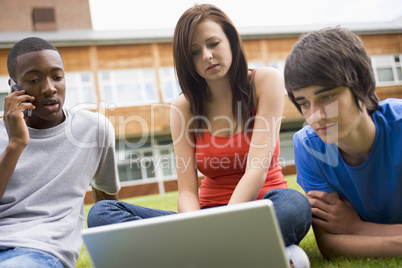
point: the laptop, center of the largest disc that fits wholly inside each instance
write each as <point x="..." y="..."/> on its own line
<point x="242" y="235"/>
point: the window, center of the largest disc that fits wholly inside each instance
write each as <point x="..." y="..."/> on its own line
<point x="139" y="165"/>
<point x="80" y="89"/>
<point x="387" y="69"/>
<point x="280" y="65"/>
<point x="44" y="19"/>
<point x="286" y="142"/>
<point x="128" y="87"/>
<point x="255" y="64"/>
<point x="149" y="163"/>
<point x="170" y="84"/>
<point x="4" y="90"/>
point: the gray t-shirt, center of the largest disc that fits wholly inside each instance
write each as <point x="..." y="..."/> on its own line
<point x="43" y="207"/>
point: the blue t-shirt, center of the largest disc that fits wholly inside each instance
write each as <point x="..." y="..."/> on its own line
<point x="375" y="187"/>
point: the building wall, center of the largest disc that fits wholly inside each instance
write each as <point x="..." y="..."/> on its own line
<point x="157" y="55"/>
<point x="16" y="15"/>
<point x="128" y="127"/>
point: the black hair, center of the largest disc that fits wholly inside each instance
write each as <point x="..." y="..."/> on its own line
<point x="27" y="45"/>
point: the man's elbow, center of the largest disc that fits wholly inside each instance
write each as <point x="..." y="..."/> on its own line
<point x="327" y="248"/>
<point x="100" y="195"/>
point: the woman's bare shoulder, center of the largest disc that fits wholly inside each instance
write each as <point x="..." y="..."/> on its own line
<point x="181" y="104"/>
<point x="268" y="73"/>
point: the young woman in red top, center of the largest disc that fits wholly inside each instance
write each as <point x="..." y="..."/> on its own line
<point x="226" y="125"/>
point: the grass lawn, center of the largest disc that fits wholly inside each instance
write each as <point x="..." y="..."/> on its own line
<point x="169" y="201"/>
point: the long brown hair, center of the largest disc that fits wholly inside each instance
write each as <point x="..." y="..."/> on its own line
<point x="193" y="86"/>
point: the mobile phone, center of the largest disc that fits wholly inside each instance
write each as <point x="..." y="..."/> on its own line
<point x="15" y="87"/>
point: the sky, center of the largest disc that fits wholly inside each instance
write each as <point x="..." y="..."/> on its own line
<point x="163" y="14"/>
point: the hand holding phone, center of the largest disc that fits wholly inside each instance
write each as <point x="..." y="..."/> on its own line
<point x="14" y="87"/>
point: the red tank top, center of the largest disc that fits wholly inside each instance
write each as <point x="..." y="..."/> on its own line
<point x="222" y="160"/>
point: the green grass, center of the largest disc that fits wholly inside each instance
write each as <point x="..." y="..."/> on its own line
<point x="168" y="201"/>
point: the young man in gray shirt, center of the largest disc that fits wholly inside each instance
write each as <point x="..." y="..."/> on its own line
<point x="49" y="157"/>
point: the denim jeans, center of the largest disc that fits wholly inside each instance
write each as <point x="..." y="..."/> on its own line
<point x="28" y="257"/>
<point x="292" y="209"/>
<point x="293" y="212"/>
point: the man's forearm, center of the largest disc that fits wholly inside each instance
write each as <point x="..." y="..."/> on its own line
<point x="357" y="246"/>
<point x="8" y="162"/>
<point x="375" y="229"/>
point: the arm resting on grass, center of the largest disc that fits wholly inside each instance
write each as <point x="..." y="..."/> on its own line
<point x="340" y="231"/>
<point x="357" y="246"/>
<point x="336" y="215"/>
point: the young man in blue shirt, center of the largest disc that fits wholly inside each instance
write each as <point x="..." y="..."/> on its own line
<point x="348" y="159"/>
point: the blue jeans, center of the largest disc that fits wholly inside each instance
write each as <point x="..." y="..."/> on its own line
<point x="28" y="257"/>
<point x="292" y="209"/>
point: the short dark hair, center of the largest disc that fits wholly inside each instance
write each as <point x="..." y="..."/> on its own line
<point x="331" y="57"/>
<point x="27" y="45"/>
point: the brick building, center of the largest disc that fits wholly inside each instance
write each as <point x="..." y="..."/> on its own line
<point x="129" y="77"/>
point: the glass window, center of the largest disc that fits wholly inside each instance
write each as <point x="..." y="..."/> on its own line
<point x="127" y="94"/>
<point x="399" y="72"/>
<point x="166" y="162"/>
<point x="135" y="172"/>
<point x="80" y="89"/>
<point x="4" y="90"/>
<point x="108" y="92"/>
<point x="387" y="69"/>
<point x="123" y="173"/>
<point x="85" y="78"/>
<point x="105" y="76"/>
<point x="2" y="97"/>
<point x="170" y="85"/>
<point x="149" y="162"/>
<point x="280" y="65"/>
<point x="255" y="64"/>
<point x="128" y="87"/>
<point x="385" y="75"/>
<point x="150" y="167"/>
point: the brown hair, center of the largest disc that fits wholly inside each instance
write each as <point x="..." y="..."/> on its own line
<point x="331" y="57"/>
<point x="193" y="86"/>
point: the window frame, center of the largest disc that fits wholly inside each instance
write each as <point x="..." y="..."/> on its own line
<point x="142" y="155"/>
<point x="171" y="78"/>
<point x="4" y="89"/>
<point x="138" y="77"/>
<point x="75" y="78"/>
<point x="376" y="65"/>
